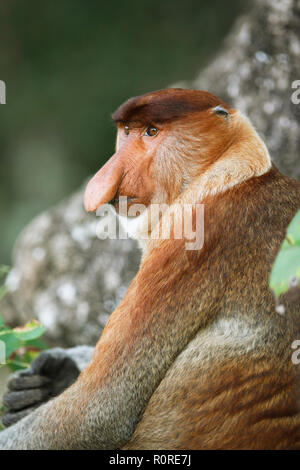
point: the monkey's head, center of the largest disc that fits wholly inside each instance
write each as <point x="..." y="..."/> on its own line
<point x="165" y="140"/>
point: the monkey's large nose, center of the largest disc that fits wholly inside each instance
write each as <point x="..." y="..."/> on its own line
<point x="103" y="186"/>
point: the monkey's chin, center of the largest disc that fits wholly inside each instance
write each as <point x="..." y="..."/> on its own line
<point x="132" y="226"/>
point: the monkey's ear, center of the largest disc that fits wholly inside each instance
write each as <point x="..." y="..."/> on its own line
<point x="220" y="111"/>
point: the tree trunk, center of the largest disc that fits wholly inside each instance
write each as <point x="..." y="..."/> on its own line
<point x="254" y="72"/>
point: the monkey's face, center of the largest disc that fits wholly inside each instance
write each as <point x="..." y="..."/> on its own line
<point x="164" y="140"/>
<point x="129" y="172"/>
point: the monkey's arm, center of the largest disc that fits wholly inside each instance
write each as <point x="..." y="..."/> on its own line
<point x="166" y="304"/>
<point x="49" y="375"/>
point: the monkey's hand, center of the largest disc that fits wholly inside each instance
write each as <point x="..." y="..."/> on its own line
<point x="49" y="375"/>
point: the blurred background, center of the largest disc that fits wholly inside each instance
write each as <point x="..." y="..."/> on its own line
<point x="67" y="66"/>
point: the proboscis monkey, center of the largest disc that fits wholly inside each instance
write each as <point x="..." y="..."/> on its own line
<point x="195" y="356"/>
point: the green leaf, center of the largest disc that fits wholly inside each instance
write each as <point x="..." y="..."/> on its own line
<point x="36" y="344"/>
<point x="11" y="341"/>
<point x="293" y="231"/>
<point x="17" y="365"/>
<point x="285" y="268"/>
<point x="30" y="331"/>
<point x="29" y="356"/>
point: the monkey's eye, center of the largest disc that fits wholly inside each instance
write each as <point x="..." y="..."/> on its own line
<point x="126" y="130"/>
<point x="151" y="131"/>
<point x="220" y="111"/>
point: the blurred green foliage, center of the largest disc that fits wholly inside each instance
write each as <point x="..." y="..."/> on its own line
<point x="286" y="269"/>
<point x="22" y="344"/>
<point x="67" y="65"/>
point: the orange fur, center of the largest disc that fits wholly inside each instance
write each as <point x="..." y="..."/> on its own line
<point x="236" y="398"/>
<point x="195" y="356"/>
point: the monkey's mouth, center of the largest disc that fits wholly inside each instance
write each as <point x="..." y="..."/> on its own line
<point x="116" y="200"/>
<point x="112" y="202"/>
<point x="121" y="206"/>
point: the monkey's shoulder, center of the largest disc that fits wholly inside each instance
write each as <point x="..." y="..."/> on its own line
<point x="265" y="204"/>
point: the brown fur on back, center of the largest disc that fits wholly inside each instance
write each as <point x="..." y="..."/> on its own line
<point x="238" y="393"/>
